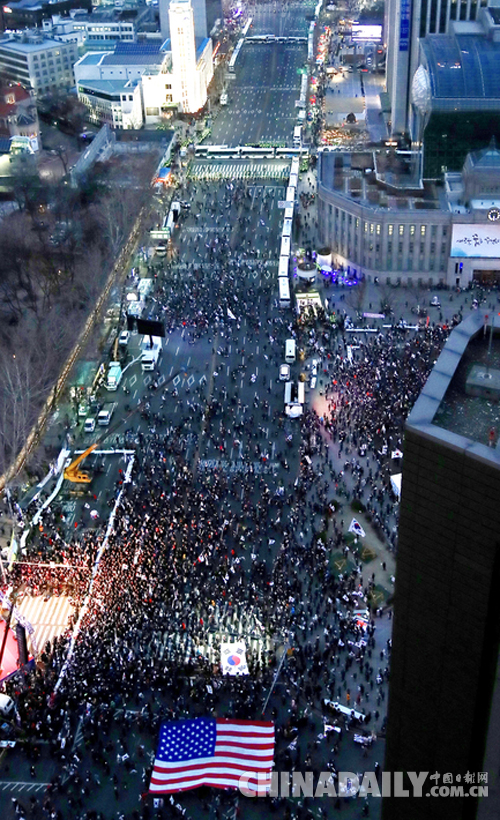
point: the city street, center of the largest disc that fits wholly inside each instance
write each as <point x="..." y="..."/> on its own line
<point x="261" y="97"/>
<point x="211" y="515"/>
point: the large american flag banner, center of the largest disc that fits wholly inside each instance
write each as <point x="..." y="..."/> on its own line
<point x="213" y="752"/>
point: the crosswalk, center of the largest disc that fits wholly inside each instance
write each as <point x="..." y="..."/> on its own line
<point x="48" y="617"/>
<point x="239" y="170"/>
<point x="225" y="625"/>
<point x="22" y="786"/>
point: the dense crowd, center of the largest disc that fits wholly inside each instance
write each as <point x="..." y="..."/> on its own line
<point x="193" y="552"/>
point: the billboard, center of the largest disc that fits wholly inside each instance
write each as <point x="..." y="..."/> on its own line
<point x="371" y="33"/>
<point x="479" y="241"/>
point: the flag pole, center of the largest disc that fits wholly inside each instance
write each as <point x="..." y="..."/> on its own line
<point x="277" y="674"/>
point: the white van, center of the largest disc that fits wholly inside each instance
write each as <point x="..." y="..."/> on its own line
<point x="104" y="415"/>
<point x="290" y="351"/>
<point x="7" y="706"/>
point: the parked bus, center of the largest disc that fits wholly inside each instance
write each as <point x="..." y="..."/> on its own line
<point x="284" y="292"/>
<point x="256" y="151"/>
<point x="283" y="266"/>
<point x="285" y="246"/>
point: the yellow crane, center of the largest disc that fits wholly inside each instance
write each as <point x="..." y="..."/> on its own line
<point x="73" y="472"/>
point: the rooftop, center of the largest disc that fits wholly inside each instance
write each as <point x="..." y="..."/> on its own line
<point x="444" y="411"/>
<point x="462" y="67"/>
<point x="386" y="181"/>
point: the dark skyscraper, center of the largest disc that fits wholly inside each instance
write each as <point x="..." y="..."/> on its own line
<point x="444" y="699"/>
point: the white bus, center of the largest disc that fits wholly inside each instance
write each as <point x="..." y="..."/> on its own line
<point x="284" y="292"/>
<point x="252" y="151"/>
<point x="287" y="228"/>
<point x="283" y="266"/>
<point x="285" y="246"/>
<point x="297" y="136"/>
<point x="290" y="194"/>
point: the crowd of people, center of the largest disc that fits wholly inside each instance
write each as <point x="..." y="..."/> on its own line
<point x="199" y="555"/>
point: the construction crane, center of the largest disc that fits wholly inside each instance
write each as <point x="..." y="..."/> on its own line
<point x="73" y="472"/>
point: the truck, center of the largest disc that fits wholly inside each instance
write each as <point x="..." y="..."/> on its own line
<point x="151" y="352"/>
<point x="114" y="377"/>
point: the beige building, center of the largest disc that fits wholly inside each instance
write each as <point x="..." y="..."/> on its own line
<point x="380" y="219"/>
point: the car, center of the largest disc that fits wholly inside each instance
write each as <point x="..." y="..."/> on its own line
<point x="123" y="338"/>
<point x="89" y="425"/>
<point x="435" y="302"/>
<point x="284" y="373"/>
<point x="314" y="367"/>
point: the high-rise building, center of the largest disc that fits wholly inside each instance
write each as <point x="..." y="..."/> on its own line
<point x="406" y="22"/>
<point x="192" y="77"/>
<point x="199" y="14"/>
<point x="444" y="696"/>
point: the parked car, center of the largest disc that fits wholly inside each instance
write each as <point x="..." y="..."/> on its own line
<point x="89" y="425"/>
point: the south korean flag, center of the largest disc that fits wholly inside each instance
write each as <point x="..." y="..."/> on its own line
<point x="356" y="528"/>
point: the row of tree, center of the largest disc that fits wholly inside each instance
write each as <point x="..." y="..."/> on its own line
<point x="57" y="251"/>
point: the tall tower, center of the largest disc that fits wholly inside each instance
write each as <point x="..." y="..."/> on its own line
<point x="406" y="22"/>
<point x="444" y="694"/>
<point x="200" y="18"/>
<point x="182" y="37"/>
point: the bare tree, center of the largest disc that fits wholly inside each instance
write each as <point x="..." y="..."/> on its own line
<point x="355" y="296"/>
<point x="387" y="299"/>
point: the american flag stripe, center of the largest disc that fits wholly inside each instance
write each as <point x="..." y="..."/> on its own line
<point x="210" y="752"/>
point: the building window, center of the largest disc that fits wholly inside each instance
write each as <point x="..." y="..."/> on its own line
<point x="412" y="230"/>
<point x="378" y="230"/>
<point x="410" y="247"/>
<point x="445" y="230"/>
<point x="390" y="230"/>
<point x="401" y="230"/>
<point x="443" y="247"/>
<point x="422" y="230"/>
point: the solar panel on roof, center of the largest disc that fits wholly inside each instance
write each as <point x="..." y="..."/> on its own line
<point x="138" y="49"/>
